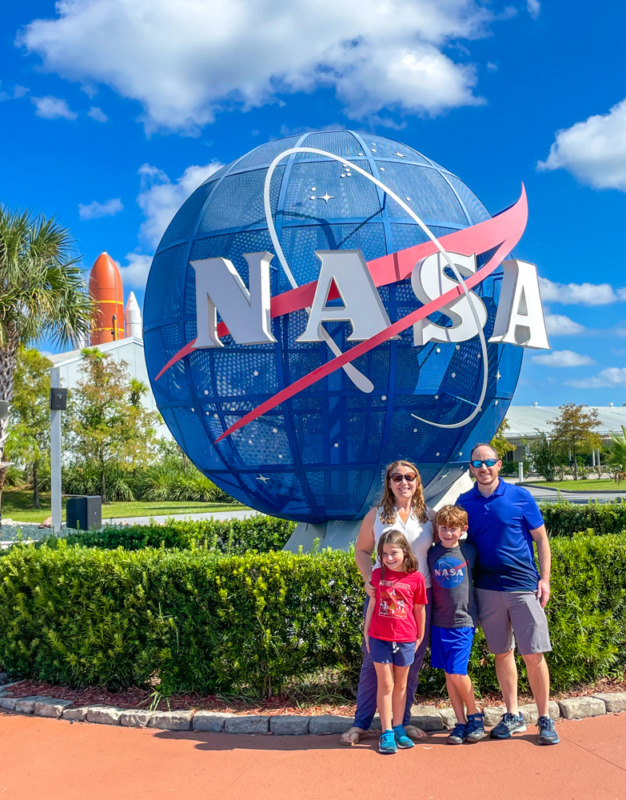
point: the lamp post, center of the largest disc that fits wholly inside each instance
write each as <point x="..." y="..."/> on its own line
<point x="58" y="403"/>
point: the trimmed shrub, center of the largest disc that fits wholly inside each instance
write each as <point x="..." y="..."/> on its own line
<point x="199" y="620"/>
<point x="587" y="610"/>
<point x="259" y="533"/>
<point x="249" y="623"/>
<point x="564" y="519"/>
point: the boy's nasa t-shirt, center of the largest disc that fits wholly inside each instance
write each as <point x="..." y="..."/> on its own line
<point x="393" y="619"/>
<point x="451" y="569"/>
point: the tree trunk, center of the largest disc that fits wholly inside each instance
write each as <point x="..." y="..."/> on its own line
<point x="3" y="476"/>
<point x="36" y="503"/>
<point x="8" y="356"/>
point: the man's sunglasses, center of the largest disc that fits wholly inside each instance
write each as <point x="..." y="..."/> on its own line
<point x="409" y="477"/>
<point x="488" y="462"/>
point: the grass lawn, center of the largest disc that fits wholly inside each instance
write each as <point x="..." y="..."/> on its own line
<point x="603" y="485"/>
<point x="17" y="504"/>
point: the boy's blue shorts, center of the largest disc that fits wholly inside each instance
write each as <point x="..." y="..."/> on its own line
<point x="450" y="649"/>
<point x="402" y="654"/>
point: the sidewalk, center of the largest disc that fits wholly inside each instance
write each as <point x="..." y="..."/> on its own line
<point x="53" y="759"/>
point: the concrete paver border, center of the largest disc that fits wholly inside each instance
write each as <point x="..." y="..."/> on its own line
<point x="428" y="718"/>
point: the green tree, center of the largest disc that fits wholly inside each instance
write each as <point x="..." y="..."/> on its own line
<point x="617" y="451"/>
<point x="42" y="293"/>
<point x="545" y="455"/>
<point x="107" y="426"/>
<point x="500" y="443"/>
<point x="28" y="439"/>
<point x="574" y="431"/>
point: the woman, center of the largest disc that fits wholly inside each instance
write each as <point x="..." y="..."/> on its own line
<point x="402" y="508"/>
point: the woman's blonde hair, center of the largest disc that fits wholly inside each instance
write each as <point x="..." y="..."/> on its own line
<point x="397" y="539"/>
<point x="388" y="502"/>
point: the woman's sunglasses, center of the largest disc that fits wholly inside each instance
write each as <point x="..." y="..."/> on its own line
<point x="409" y="477"/>
<point x="488" y="462"/>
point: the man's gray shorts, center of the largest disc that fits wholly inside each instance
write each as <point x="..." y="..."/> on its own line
<point x="503" y="614"/>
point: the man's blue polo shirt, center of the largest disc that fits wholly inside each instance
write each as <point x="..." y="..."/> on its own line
<point x="499" y="528"/>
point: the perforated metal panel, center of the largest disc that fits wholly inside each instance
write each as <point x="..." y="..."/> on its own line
<point x="321" y="454"/>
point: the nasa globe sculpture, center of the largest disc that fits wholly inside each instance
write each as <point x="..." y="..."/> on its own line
<point x="329" y="303"/>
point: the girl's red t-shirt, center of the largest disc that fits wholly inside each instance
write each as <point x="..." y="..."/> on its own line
<point x="393" y="619"/>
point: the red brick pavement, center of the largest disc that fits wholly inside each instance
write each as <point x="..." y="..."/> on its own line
<point x="45" y="759"/>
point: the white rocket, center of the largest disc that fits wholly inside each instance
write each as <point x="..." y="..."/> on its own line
<point x="132" y="317"/>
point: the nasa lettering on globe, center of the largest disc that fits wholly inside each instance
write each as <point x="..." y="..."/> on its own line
<point x="327" y="304"/>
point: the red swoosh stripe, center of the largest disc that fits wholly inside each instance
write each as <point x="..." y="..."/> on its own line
<point x="506" y="233"/>
<point x="395" y="266"/>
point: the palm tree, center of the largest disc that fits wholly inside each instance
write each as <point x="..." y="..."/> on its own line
<point x="617" y="456"/>
<point x="42" y="293"/>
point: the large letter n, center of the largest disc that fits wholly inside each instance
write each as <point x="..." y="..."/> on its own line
<point x="246" y="314"/>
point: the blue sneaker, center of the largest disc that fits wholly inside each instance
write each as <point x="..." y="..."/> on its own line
<point x="547" y="732"/>
<point x="402" y="740"/>
<point x="510" y="723"/>
<point x="475" y="727"/>
<point x="459" y="734"/>
<point x="387" y="743"/>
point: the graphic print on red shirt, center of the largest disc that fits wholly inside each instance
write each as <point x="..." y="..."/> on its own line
<point x="393" y="619"/>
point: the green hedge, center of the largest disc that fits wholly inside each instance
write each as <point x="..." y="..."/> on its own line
<point x="248" y="624"/>
<point x="563" y="518"/>
<point x="258" y="533"/>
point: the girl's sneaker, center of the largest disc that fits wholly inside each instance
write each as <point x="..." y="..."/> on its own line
<point x="402" y="740"/>
<point x="475" y="727"/>
<point x="459" y="734"/>
<point x="387" y="743"/>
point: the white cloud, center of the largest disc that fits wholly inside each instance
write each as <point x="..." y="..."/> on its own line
<point x="594" y="150"/>
<point x="95" y="210"/>
<point x="534" y="8"/>
<point x="560" y="325"/>
<point x="18" y="91"/>
<point x="97" y="114"/>
<point x="135" y="271"/>
<point x="584" y="294"/>
<point x="563" y="358"/>
<point x="184" y="61"/>
<point x="53" y="108"/>
<point x="611" y="376"/>
<point x="161" y="198"/>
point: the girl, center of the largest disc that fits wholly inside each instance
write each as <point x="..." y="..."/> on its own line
<point x="403" y="508"/>
<point x="394" y="628"/>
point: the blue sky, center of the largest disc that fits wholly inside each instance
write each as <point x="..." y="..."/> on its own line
<point x="113" y="111"/>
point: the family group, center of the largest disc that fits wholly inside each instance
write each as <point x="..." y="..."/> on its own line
<point x="436" y="576"/>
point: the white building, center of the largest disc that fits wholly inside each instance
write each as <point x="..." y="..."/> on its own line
<point x="129" y="350"/>
<point x="526" y="422"/>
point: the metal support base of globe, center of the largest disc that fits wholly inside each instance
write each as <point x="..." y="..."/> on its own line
<point x="340" y="534"/>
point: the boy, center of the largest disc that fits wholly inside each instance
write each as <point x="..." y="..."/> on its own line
<point x="454" y="619"/>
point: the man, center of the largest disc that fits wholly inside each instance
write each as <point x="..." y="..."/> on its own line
<point x="504" y="522"/>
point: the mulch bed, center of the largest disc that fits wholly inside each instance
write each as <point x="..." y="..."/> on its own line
<point x="273" y="706"/>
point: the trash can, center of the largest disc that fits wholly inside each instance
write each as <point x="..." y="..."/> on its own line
<point x="84" y="512"/>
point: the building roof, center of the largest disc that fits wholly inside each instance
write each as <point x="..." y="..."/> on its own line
<point x="525" y="421"/>
<point x="61" y="359"/>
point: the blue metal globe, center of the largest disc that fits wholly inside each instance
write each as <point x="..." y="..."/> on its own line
<point x="320" y="455"/>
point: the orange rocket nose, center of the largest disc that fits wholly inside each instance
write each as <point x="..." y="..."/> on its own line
<point x="105" y="287"/>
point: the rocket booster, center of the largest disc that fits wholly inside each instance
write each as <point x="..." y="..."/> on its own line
<point x="132" y="317"/>
<point x="105" y="287"/>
